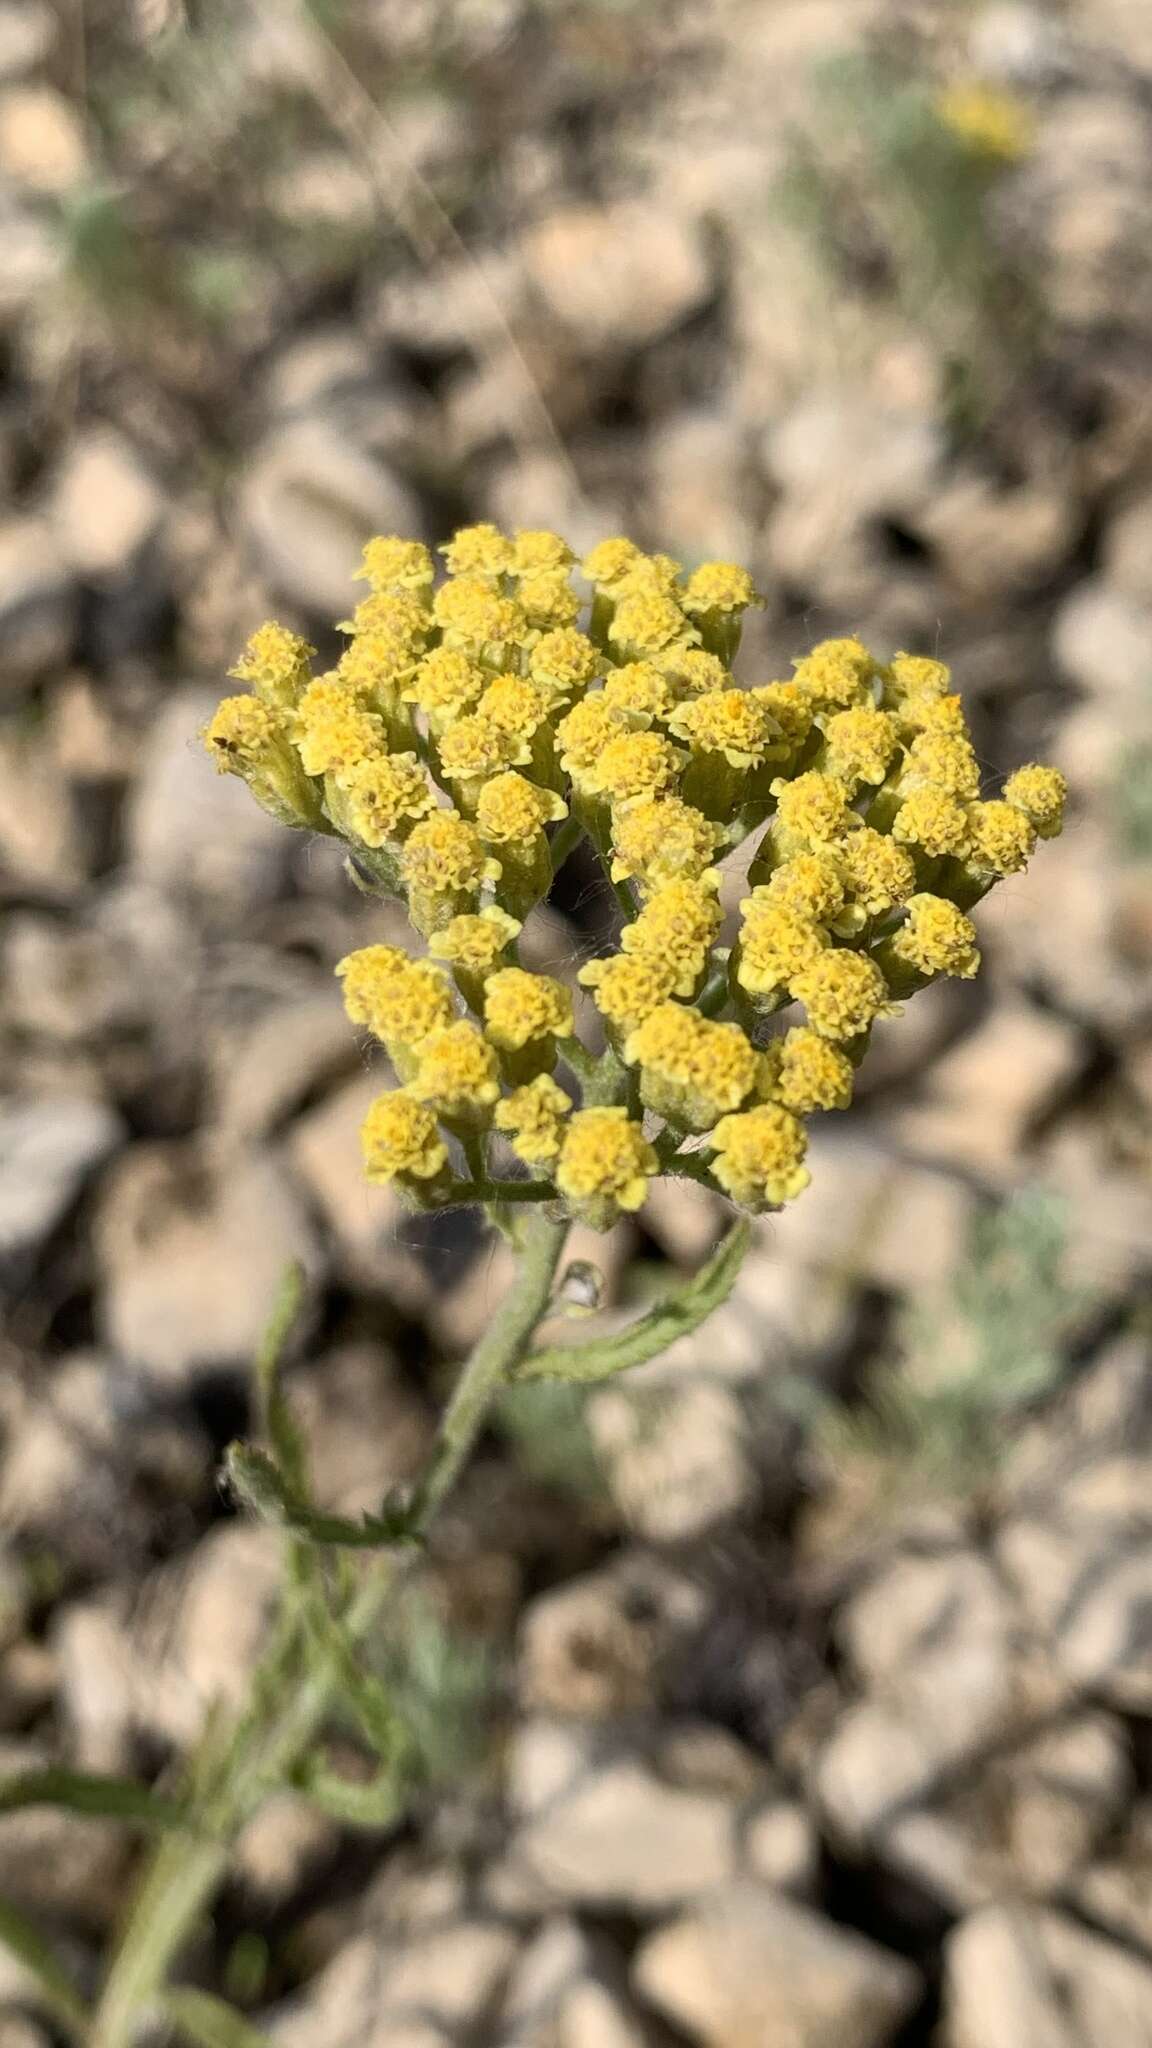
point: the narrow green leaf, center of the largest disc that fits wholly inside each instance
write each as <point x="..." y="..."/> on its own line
<point x="276" y="1416"/>
<point x="378" y="1803"/>
<point x="28" y="1945"/>
<point x="675" y="1316"/>
<point x="210" y="2022"/>
<point x="258" y="1482"/>
<point x="81" y="1792"/>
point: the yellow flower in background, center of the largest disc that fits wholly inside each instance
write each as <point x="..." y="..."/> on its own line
<point x="988" y="121"/>
<point x="621" y="725"/>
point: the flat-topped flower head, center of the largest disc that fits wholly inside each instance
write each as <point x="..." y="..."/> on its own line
<point x="401" y="1143"/>
<point x="444" y="864"/>
<point x="521" y="1008"/>
<point x="941" y="760"/>
<point x="718" y="589"/>
<point x="878" y="873"/>
<point x="759" y="1157"/>
<point x="605" y="1165"/>
<point x="446" y="685"/>
<point x="622" y="735"/>
<point x="472" y="615"/>
<point x="584" y="732"/>
<point x="1003" y="837"/>
<point x="276" y="663"/>
<point x="640" y="692"/>
<point x="456" y="1074"/>
<point x="511" y="811"/>
<point x="626" y="988"/>
<point x="936" y="938"/>
<point x="385" y="796"/>
<point x="398" y="999"/>
<point x="608" y="563"/>
<point x="632" y="765"/>
<point x="790" y="708"/>
<point x="805" y="1073"/>
<point x="248" y="737"/>
<point x="843" y="993"/>
<point x="533" y="1119"/>
<point x="812" y="813"/>
<point x="1041" y="794"/>
<point x="678" y="925"/>
<point x="536" y="548"/>
<point x="934" y="821"/>
<point x="331" y="729"/>
<point x="656" y="840"/>
<point x="692" y="1070"/>
<point x="563" y="663"/>
<point x="547" y="600"/>
<point x="476" y="942"/>
<point x="776" y="944"/>
<point x="646" y="623"/>
<point x="858" y="745"/>
<point x="480" y="550"/>
<point x="390" y="564"/>
<point x="836" y="674"/>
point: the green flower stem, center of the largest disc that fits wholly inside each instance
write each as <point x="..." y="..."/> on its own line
<point x="563" y="841"/>
<point x="276" y="1734"/>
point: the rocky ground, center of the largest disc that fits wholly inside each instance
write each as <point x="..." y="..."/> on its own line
<point x="815" y="1659"/>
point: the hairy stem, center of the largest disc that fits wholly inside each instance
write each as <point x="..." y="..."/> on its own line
<point x="272" y="1738"/>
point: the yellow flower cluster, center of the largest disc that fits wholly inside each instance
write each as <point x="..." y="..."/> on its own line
<point x="479" y="724"/>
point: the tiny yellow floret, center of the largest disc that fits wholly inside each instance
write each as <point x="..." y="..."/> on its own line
<point x="1003" y="837"/>
<point x="811" y="885"/>
<point x="718" y="589"/>
<point x="776" y="944"/>
<point x="390" y="564"/>
<point x="836" y="673"/>
<point x="631" y="766"/>
<point x="734" y="723"/>
<point x="520" y="1007"/>
<point x="275" y="662"/>
<point x="480" y="550"/>
<point x="812" y="812"/>
<point x="456" y="1073"/>
<point x="510" y="810"/>
<point x="646" y="623"/>
<point x="384" y="796"/>
<point x="332" y="731"/>
<point x="533" y="1120"/>
<point x="843" y="993"/>
<point x="662" y="839"/>
<point x="805" y="1073"/>
<point x="935" y="821"/>
<point x="937" y="938"/>
<point x="759" y="1158"/>
<point x="476" y="941"/>
<point x="400" y="1141"/>
<point x="605" y="1165"/>
<point x="1041" y="794"/>
<point x="878" y="873"/>
<point x="678" y="925"/>
<point x="610" y="561"/>
<point x="627" y="987"/>
<point x="859" y="744"/>
<point x="536" y="548"/>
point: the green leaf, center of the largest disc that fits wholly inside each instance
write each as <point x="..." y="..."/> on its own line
<point x="81" y="1792"/>
<point x="259" y="1483"/>
<point x="377" y="1803"/>
<point x="209" y="2021"/>
<point x="675" y="1316"/>
<point x="28" y="1945"/>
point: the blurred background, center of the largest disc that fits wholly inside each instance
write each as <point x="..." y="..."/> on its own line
<point x="798" y="1689"/>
